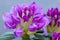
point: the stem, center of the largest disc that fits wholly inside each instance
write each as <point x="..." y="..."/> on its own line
<point x="25" y="37"/>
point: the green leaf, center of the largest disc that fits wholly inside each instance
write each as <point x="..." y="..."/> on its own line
<point x="7" y="36"/>
<point x="41" y="36"/>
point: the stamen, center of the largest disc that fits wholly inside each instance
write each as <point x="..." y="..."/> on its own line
<point x="23" y="13"/>
<point x="55" y="16"/>
<point x="27" y="12"/>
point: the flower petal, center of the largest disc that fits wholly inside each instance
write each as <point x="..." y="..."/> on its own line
<point x="32" y="28"/>
<point x="18" y="32"/>
<point x="54" y="36"/>
<point x="6" y="17"/>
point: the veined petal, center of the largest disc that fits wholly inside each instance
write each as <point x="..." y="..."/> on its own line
<point x="15" y="19"/>
<point x="10" y="25"/>
<point x="37" y="17"/>
<point x="46" y="20"/>
<point x="10" y="21"/>
<point x="6" y="17"/>
<point x="40" y="25"/>
<point x="32" y="28"/>
<point x="33" y="6"/>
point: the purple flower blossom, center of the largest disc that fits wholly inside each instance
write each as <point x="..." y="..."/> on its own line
<point x="10" y="21"/>
<point x="18" y="32"/>
<point x="54" y="14"/>
<point x="56" y="36"/>
<point x="25" y="17"/>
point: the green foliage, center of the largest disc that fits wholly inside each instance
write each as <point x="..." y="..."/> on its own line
<point x="37" y="36"/>
<point x="40" y="36"/>
<point x="7" y="36"/>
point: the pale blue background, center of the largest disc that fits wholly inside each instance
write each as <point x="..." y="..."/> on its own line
<point x="5" y="6"/>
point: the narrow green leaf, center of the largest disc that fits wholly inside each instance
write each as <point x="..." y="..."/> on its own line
<point x="41" y="36"/>
<point x="7" y="36"/>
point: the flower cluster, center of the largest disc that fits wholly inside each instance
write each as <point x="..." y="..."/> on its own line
<point x="28" y="19"/>
<point x="25" y="18"/>
<point x="54" y="14"/>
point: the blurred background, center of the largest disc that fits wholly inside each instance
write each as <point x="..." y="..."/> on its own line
<point x="5" y="6"/>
